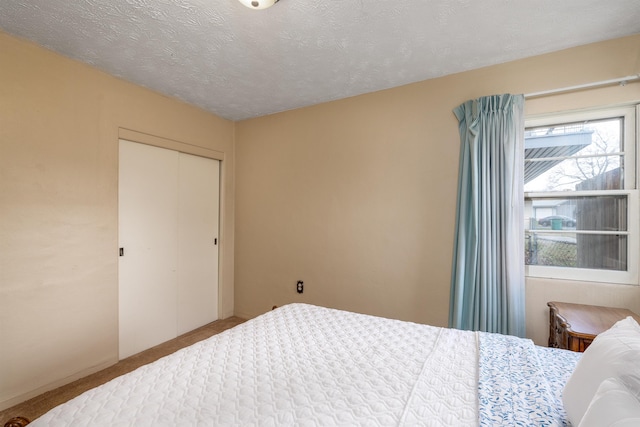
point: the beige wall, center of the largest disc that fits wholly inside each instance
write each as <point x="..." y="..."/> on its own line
<point x="59" y="127"/>
<point x="357" y="197"/>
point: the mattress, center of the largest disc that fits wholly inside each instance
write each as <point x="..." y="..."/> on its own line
<point x="306" y="365"/>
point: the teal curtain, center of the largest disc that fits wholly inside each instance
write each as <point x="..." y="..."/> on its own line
<point x="487" y="284"/>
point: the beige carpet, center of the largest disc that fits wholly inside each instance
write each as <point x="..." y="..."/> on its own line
<point x="35" y="407"/>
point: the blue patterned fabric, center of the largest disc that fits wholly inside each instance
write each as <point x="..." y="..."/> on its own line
<point x="520" y="384"/>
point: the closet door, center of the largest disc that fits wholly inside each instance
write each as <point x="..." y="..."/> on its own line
<point x="168" y="232"/>
<point x="198" y="211"/>
<point x="148" y="235"/>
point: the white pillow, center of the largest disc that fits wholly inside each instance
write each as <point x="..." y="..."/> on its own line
<point x="614" y="353"/>
<point x="612" y="405"/>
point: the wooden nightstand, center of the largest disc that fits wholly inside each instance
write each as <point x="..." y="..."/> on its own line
<point x="574" y="326"/>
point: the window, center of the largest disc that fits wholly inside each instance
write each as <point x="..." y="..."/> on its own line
<point x="581" y="198"/>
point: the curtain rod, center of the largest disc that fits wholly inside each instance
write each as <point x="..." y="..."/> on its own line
<point x="622" y="81"/>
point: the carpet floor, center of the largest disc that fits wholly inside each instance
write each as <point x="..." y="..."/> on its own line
<point x="37" y="406"/>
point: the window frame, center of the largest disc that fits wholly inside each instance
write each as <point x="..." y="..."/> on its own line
<point x="631" y="130"/>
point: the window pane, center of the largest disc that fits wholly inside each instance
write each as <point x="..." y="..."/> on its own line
<point x="590" y="213"/>
<point x="607" y="252"/>
<point x="557" y="232"/>
<point x="575" y="156"/>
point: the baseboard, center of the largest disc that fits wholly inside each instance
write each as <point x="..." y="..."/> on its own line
<point x="8" y="403"/>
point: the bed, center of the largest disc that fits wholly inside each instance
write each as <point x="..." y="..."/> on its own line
<point x="306" y="365"/>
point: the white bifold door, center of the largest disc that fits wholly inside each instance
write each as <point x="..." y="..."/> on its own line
<point x="168" y="236"/>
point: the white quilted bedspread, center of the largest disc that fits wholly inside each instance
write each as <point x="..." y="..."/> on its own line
<point x="297" y="365"/>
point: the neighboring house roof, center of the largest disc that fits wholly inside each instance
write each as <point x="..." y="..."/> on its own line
<point x="554" y="147"/>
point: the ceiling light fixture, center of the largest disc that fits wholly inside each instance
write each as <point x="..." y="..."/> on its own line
<point x="258" y="4"/>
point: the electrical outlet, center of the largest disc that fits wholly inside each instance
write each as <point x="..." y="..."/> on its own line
<point x="300" y="286"/>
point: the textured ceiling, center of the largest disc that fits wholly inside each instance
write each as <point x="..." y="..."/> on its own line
<point x="240" y="63"/>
